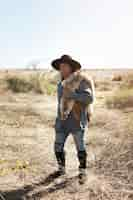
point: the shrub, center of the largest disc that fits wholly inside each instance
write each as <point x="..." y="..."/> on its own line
<point x="18" y="85"/>
<point x="117" y="78"/>
<point x="34" y="82"/>
<point x="121" y="99"/>
<point x="103" y="85"/>
<point x="128" y="80"/>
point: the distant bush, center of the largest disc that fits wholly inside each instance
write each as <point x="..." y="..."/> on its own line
<point x="117" y="78"/>
<point x="33" y="82"/>
<point x="103" y="85"/>
<point x="18" y="85"/>
<point x="122" y="98"/>
<point x="127" y="81"/>
<point x="42" y="84"/>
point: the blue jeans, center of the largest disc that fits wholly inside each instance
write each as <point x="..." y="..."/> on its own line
<point x="61" y="134"/>
<point x="62" y="131"/>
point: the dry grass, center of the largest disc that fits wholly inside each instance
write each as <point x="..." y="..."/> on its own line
<point x="114" y="167"/>
<point x="32" y="82"/>
<point x="113" y="160"/>
<point x="103" y="85"/>
<point x="27" y="138"/>
<point x="123" y="98"/>
<point x="127" y="80"/>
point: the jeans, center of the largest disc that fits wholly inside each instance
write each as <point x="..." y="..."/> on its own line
<point x="62" y="132"/>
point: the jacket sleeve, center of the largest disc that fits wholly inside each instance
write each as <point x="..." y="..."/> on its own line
<point x="57" y="123"/>
<point x="83" y="95"/>
<point x="58" y="99"/>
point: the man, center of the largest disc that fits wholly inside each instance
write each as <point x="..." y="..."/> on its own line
<point x="66" y="65"/>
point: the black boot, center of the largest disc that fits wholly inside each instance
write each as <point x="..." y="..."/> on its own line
<point x="60" y="156"/>
<point x="82" y="156"/>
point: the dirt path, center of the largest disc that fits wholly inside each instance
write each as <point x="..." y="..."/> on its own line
<point x="27" y="157"/>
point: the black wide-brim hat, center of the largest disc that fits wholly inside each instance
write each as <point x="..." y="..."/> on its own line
<point x="75" y="65"/>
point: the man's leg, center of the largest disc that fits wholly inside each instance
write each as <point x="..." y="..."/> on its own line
<point x="81" y="153"/>
<point x="60" y="138"/>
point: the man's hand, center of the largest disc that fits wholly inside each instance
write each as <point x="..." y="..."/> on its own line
<point x="83" y="96"/>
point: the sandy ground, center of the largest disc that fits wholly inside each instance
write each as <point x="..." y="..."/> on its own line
<point x="26" y="147"/>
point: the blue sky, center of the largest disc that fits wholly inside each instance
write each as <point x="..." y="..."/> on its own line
<point x="98" y="33"/>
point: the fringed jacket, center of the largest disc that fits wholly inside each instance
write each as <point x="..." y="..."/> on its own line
<point x="80" y="95"/>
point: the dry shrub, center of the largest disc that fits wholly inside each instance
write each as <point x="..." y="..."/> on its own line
<point x="127" y="80"/>
<point x="123" y="98"/>
<point x="47" y="84"/>
<point x="117" y="77"/>
<point x="102" y="85"/>
<point x="18" y="85"/>
<point x="32" y="82"/>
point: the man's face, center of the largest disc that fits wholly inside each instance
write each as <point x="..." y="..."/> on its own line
<point x="65" y="70"/>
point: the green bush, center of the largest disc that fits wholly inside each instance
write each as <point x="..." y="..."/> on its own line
<point x="18" y="85"/>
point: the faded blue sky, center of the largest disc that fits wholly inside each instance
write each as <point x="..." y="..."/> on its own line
<point x="98" y="32"/>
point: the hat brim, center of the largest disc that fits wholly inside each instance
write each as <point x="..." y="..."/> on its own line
<point x="73" y="63"/>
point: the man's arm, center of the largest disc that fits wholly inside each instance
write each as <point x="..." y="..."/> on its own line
<point x="83" y="95"/>
<point x="57" y="124"/>
<point x="58" y="98"/>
